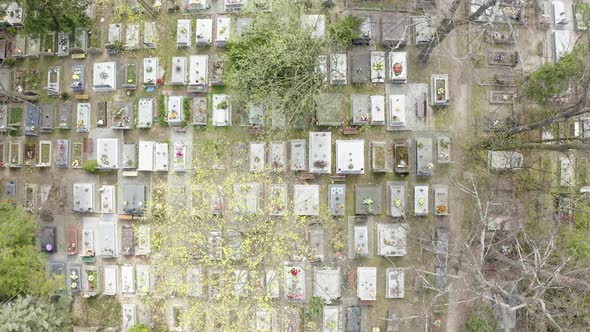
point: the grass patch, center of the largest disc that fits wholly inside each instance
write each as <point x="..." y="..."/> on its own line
<point x="102" y="311"/>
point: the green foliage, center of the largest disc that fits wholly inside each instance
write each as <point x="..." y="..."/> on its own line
<point x="315" y="307"/>
<point x="90" y="166"/>
<point x="101" y="311"/>
<point x="44" y="16"/>
<point x="186" y="103"/>
<point x="33" y="314"/>
<point x="551" y="79"/>
<point x="22" y="267"/>
<point x="344" y="30"/>
<point x="481" y="319"/>
<point x="162" y="117"/>
<point x="276" y="60"/>
<point x="139" y="328"/>
<point x="9" y="62"/>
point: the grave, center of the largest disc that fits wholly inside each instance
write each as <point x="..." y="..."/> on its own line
<point x="360" y="109"/>
<point x="178" y="75"/>
<point x="441" y="199"/>
<point x="101" y="114"/>
<point x="367" y="284"/>
<point x="127" y="283"/>
<point x="336" y="199"/>
<point x="133" y="199"/>
<point x="320" y="152"/>
<point x="391" y="239"/>
<point x="80" y="42"/>
<point x="330" y="109"/>
<point x="198" y="73"/>
<point x="439" y="89"/>
<point x="395" y="283"/>
<point x="145" y="113"/>
<point x="331" y="318"/>
<point x="32" y="120"/>
<point x="443" y="149"/>
<point x="149" y="35"/>
<point x="175" y="110"/>
<point x="326" y="283"/>
<point x="179" y="157"/>
<point x="423" y="30"/>
<point x="247" y="198"/>
<point x="110" y="273"/>
<point x="306" y="200"/>
<point x="123" y="115"/>
<point x="104" y="77"/>
<point x="132" y="37"/>
<point x="397" y="111"/>
<point x="377" y="67"/>
<point x="380" y="157"/>
<point x="424" y="157"/>
<point x="223" y="31"/>
<point x="338" y="69"/>
<point x="107" y="199"/>
<point x="151" y="67"/>
<point x="350" y="157"/>
<point x="144" y="246"/>
<point x="316" y="24"/>
<point x="204" y="32"/>
<point x="298" y="155"/>
<point x="368" y="199"/>
<point x="316" y="242"/>
<point x="62" y="160"/>
<point x="161" y="157"/>
<point x="183" y="33"/>
<point x="79" y="77"/>
<point x="398" y="71"/>
<point x="107" y="153"/>
<point x="393" y="29"/>
<point x="361" y="68"/>
<point x="396" y="198"/>
<point x="199" y="111"/>
<point x="83" y="197"/>
<point x="277" y="198"/>
<point x="221" y="110"/>
<point x="377" y="110"/>
<point x="421" y="200"/>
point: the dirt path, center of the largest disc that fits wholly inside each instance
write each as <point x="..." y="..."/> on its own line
<point x="460" y="82"/>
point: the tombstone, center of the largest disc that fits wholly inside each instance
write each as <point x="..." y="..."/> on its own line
<point x="223" y="31"/>
<point x="110" y="279"/>
<point x="49" y="44"/>
<point x="107" y="199"/>
<point x="277" y="199"/>
<point x="361" y="68"/>
<point x="178" y="76"/>
<point x="217" y="71"/>
<point x="179" y="156"/>
<point x="130" y="76"/>
<point x="80" y="42"/>
<point x="330" y="110"/>
<point x="87" y="243"/>
<point x="198" y="73"/>
<point x="2" y="154"/>
<point x="129" y="316"/>
<point x="243" y="24"/>
<point x="144" y="244"/>
<point x="71" y="241"/>
<point x="150" y="35"/>
<point x="421" y="200"/>
<point x="74" y="279"/>
<point x="83" y="117"/>
<point x="146" y="156"/>
<point x="183" y="33"/>
<point x="4" y="118"/>
<point x="161" y="157"/>
<point x="150" y="71"/>
<point x="95" y="40"/>
<point x="443" y="149"/>
<point x="368" y="199"/>
<point x="394" y="283"/>
<point x="441" y="199"/>
<point x="62" y="159"/>
<point x="361" y="241"/>
<point x="127" y="280"/>
<point x="32" y="120"/>
<point x="123" y="116"/>
<point x="353" y="319"/>
<point x="20" y="47"/>
<point x="129" y="156"/>
<point x="221" y="110"/>
<point x="107" y="152"/>
<point x="401" y="157"/>
<point x="47" y="117"/>
<point x="391" y="239"/>
<point x="424" y="157"/>
<point x="327" y="284"/>
<point x="360" y="109"/>
<point x="379" y="157"/>
<point x="338" y="69"/>
<point x="396" y="197"/>
<point x="350" y="156"/>
<point x="30" y="201"/>
<point x="142" y="273"/>
<point x="33" y="47"/>
<point x="132" y="37"/>
<point x="47" y="239"/>
<point x="367" y="284"/>
<point x="323" y="66"/>
<point x="77" y="160"/>
<point x="133" y="199"/>
<point x="306" y="200"/>
<point x="393" y="29"/>
<point x="439" y="90"/>
<point x="199" y="111"/>
<point x="64" y="116"/>
<point x="315" y="23"/>
<point x="441" y="239"/>
<point x="277" y="156"/>
<point x="316" y="242"/>
<point x="91" y="281"/>
<point x="63" y="44"/>
<point x="15" y="155"/>
<point x="336" y="199"/>
<point x="30" y="153"/>
<point x="10" y="189"/>
<point x="78" y="77"/>
<point x="204" y="32"/>
<point x="53" y="81"/>
<point x="397" y="111"/>
<point x="145" y="113"/>
<point x="114" y="38"/>
<point x="377" y="110"/>
<point x="366" y="32"/>
<point x="294" y="283"/>
<point x="398" y="71"/>
<point x="104" y="77"/>
<point x="320" y="152"/>
<point x="298" y="155"/>
<point x="331" y="318"/>
<point x="83" y="197"/>
<point x="101" y="114"/>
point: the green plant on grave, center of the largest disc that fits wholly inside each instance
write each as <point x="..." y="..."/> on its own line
<point x="344" y="30"/>
<point x="315" y="307"/>
<point x="162" y="116"/>
<point x="90" y="166"/>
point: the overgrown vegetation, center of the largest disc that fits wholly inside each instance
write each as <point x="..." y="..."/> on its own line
<point x="90" y="166"/>
<point x="162" y="117"/>
<point x="552" y="79"/>
<point x="43" y="17"/>
<point x="344" y="30"/>
<point x="35" y="314"/>
<point x="186" y="109"/>
<point x="101" y="311"/>
<point x="481" y="319"/>
<point x="276" y="59"/>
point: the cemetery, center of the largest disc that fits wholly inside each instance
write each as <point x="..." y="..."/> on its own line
<point x="134" y="104"/>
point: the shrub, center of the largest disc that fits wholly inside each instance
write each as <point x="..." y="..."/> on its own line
<point x="481" y="319"/>
<point x="344" y="30"/>
<point x="90" y="166"/>
<point x="139" y="328"/>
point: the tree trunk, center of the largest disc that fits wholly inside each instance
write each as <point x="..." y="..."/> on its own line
<point x="448" y="24"/>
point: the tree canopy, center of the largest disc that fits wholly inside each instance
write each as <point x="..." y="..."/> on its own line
<point x="22" y="266"/>
<point x="29" y="314"/>
<point x="275" y="60"/>
<point x="44" y="16"/>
